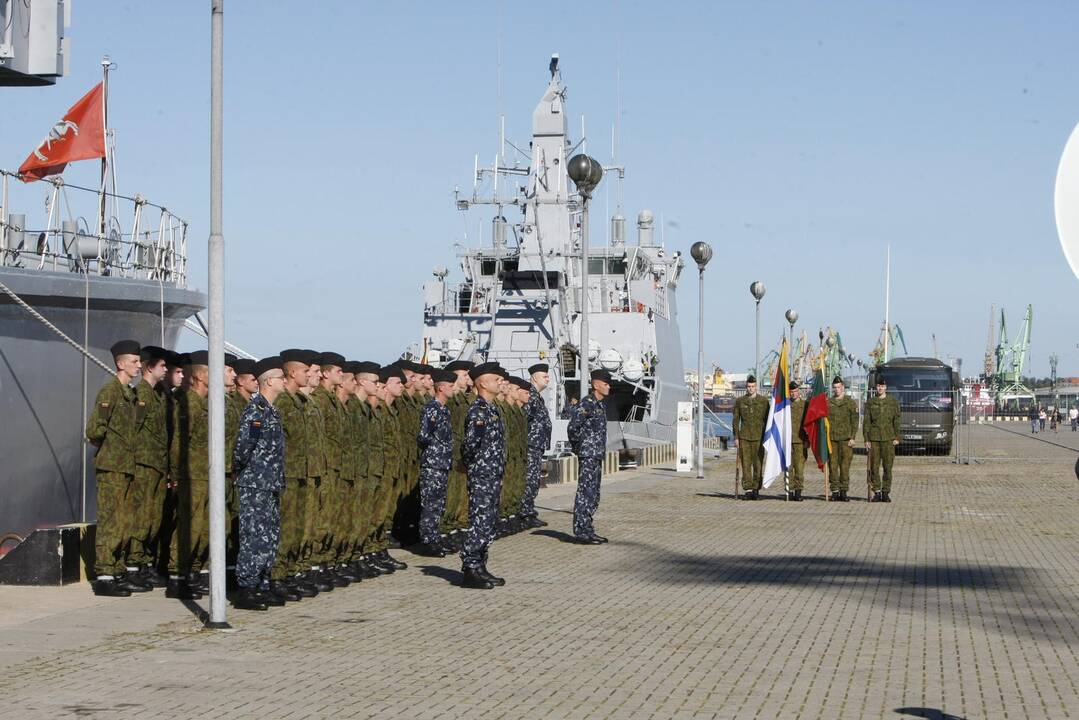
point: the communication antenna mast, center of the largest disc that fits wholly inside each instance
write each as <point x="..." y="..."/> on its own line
<point x="990" y="364"/>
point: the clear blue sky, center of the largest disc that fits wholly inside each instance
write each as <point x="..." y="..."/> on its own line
<point x="799" y="139"/>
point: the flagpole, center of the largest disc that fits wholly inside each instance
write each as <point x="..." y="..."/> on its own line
<point x="106" y="63"/>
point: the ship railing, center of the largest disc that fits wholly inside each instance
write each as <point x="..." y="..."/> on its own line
<point x="152" y="247"/>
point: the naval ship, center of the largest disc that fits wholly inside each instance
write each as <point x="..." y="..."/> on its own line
<point x="94" y="268"/>
<point x="521" y="300"/>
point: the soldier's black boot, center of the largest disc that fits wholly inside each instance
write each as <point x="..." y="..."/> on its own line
<point x="148" y="574"/>
<point x="388" y="559"/>
<point x="489" y="577"/>
<point x="886" y="497"/>
<point x="179" y="589"/>
<point x="366" y="569"/>
<point x="314" y="578"/>
<point x="285" y="592"/>
<point x="877" y="497"/>
<point x="107" y="587"/>
<point x="599" y="537"/>
<point x="348" y="573"/>
<point x="380" y="566"/>
<point x="248" y="599"/>
<point x="269" y="597"/>
<point x="131" y="582"/>
<point x="430" y="549"/>
<point x="302" y="588"/>
<point x="475" y="581"/>
<point x="333" y="578"/>
<point x="843" y="496"/>
<point x="835" y="496"/>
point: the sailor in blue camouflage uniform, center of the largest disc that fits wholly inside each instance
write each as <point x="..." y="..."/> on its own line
<point x="587" y="433"/>
<point x="539" y="439"/>
<point x="435" y="441"/>
<point x="484" y="452"/>
<point x="258" y="466"/>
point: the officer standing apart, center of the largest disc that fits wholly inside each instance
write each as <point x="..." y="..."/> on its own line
<point x="843" y="422"/>
<point x="587" y="431"/>
<point x="881" y="434"/>
<point x="258" y="464"/>
<point x="484" y="452"/>
<point x="435" y="440"/>
<point x="111" y="429"/>
<point x="539" y="439"/>
<point x="750" y="414"/>
<point x="796" y="476"/>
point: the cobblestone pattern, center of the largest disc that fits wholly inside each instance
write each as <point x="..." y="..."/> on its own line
<point x="962" y="597"/>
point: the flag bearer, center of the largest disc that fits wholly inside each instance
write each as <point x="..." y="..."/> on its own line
<point x="750" y="415"/>
<point x="796" y="478"/>
<point x="881" y="434"/>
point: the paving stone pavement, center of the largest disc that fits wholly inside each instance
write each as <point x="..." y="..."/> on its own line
<point x="959" y="600"/>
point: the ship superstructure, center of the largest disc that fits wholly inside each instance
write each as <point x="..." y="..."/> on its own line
<point x="521" y="300"/>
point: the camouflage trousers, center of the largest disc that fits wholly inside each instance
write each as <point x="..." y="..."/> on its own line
<point x="483" y="498"/>
<point x="115" y="503"/>
<point x="433" y="487"/>
<point x="190" y="545"/>
<point x="361" y="516"/>
<point x="590" y="469"/>
<point x="342" y="519"/>
<point x="292" y="501"/>
<point x="881" y="453"/>
<point x="260" y="530"/>
<point x="749" y="455"/>
<point x="324" y="511"/>
<point x="796" y="476"/>
<point x="383" y="504"/>
<point x="311" y="544"/>
<point x="532" y="482"/>
<point x="149" y="510"/>
<point x="840" y="454"/>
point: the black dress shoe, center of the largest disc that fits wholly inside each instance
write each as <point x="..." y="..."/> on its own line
<point x="489" y="577"/>
<point x="131" y="584"/>
<point x="599" y="537"/>
<point x="302" y="588"/>
<point x="268" y="597"/>
<point x="333" y="578"/>
<point x="388" y="559"/>
<point x="249" y="599"/>
<point x="200" y="581"/>
<point x="381" y="565"/>
<point x="366" y="569"/>
<point x="285" y="592"/>
<point x="348" y="573"/>
<point x="587" y="540"/>
<point x="109" y="588"/>
<point x="314" y="578"/>
<point x="180" y="589"/>
<point x="475" y="581"/>
<point x="150" y="576"/>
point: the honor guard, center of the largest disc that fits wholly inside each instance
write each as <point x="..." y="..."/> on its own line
<point x="799" y="452"/>
<point x="843" y="424"/>
<point x="151" y="464"/>
<point x="880" y="431"/>
<point x="258" y="462"/>
<point x="111" y="428"/>
<point x="587" y="431"/>
<point x="750" y="415"/>
<point x="539" y="440"/>
<point x="435" y="441"/>
<point x="484" y="453"/>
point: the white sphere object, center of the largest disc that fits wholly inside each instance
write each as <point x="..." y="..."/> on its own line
<point x="610" y="360"/>
<point x="632" y="369"/>
<point x="593" y="350"/>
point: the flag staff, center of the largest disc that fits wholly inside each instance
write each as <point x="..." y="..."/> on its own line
<point x="106" y="64"/>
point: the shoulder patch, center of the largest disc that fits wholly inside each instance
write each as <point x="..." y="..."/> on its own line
<point x="256" y="423"/>
<point x="105" y="404"/>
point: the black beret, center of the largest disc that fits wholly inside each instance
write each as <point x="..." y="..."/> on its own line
<point x="838" y="379"/>
<point x="274" y="362"/>
<point x="460" y="365"/>
<point x="183" y="359"/>
<point x="311" y="356"/>
<point x="330" y="358"/>
<point x="366" y="366"/>
<point x="601" y="374"/>
<point x="538" y="367"/>
<point x="153" y="353"/>
<point x="243" y="366"/>
<point x="349" y="367"/>
<point x="440" y="376"/>
<point x="173" y="359"/>
<point x="390" y="371"/>
<point x="230" y="360"/>
<point x="295" y="355"/>
<point x="125" y="347"/>
<point x="521" y="383"/>
<point x="881" y="380"/>
<point x="487" y="368"/>
<point x="793" y="385"/>
<point x="199" y="357"/>
<point x="424" y="369"/>
<point x="751" y="379"/>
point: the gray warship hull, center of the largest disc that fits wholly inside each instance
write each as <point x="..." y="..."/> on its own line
<point x="46" y="473"/>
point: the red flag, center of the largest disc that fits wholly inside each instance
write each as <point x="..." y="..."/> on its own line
<point x="80" y="135"/>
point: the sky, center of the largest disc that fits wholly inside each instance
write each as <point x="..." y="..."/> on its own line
<point x="799" y="139"/>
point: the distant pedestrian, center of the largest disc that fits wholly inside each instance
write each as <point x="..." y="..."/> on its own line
<point x="1054" y="421"/>
<point x="1042" y="415"/>
<point x="1073" y="415"/>
<point x="1033" y="419"/>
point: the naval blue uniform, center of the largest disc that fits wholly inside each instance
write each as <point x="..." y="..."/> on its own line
<point x="484" y="453"/>
<point x="587" y="432"/>
<point x="436" y="457"/>
<point x="258" y="467"/>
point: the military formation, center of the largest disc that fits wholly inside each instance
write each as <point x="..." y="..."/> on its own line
<point x="330" y="463"/>
<point x="880" y="433"/>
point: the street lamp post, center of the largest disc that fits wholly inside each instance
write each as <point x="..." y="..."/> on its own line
<point x="792" y="317"/>
<point x="757" y="290"/>
<point x="701" y="253"/>
<point x="585" y="173"/>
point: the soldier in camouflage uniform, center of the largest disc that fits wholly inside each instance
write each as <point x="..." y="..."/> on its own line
<point x="456" y="517"/>
<point x="881" y="434"/>
<point x="484" y="451"/>
<point x="346" y="513"/>
<point x="363" y="443"/>
<point x="372" y="467"/>
<point x="173" y="388"/>
<point x="151" y="465"/>
<point x="409" y="408"/>
<point x="843" y="425"/>
<point x="799" y="452"/>
<point x="318" y="486"/>
<point x="190" y="472"/>
<point x="513" y="485"/>
<point x="435" y="440"/>
<point x="750" y="415"/>
<point x="111" y="429"/>
<point x="539" y="440"/>
<point x="258" y="459"/>
<point x="587" y="432"/>
<point x="290" y="404"/>
<point x="234" y="407"/>
<point x="383" y="505"/>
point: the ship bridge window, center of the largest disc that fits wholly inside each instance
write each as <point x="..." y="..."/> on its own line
<point x="487" y="267"/>
<point x="606" y="266"/>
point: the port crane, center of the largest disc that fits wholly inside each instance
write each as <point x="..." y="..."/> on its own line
<point x="1007" y="382"/>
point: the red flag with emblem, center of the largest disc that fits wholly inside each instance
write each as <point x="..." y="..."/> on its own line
<point x="80" y="135"/>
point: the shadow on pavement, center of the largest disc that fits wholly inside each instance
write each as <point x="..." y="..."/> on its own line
<point x="197" y="610"/>
<point x="564" y="537"/>
<point x="929" y="713"/>
<point x="453" y="577"/>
